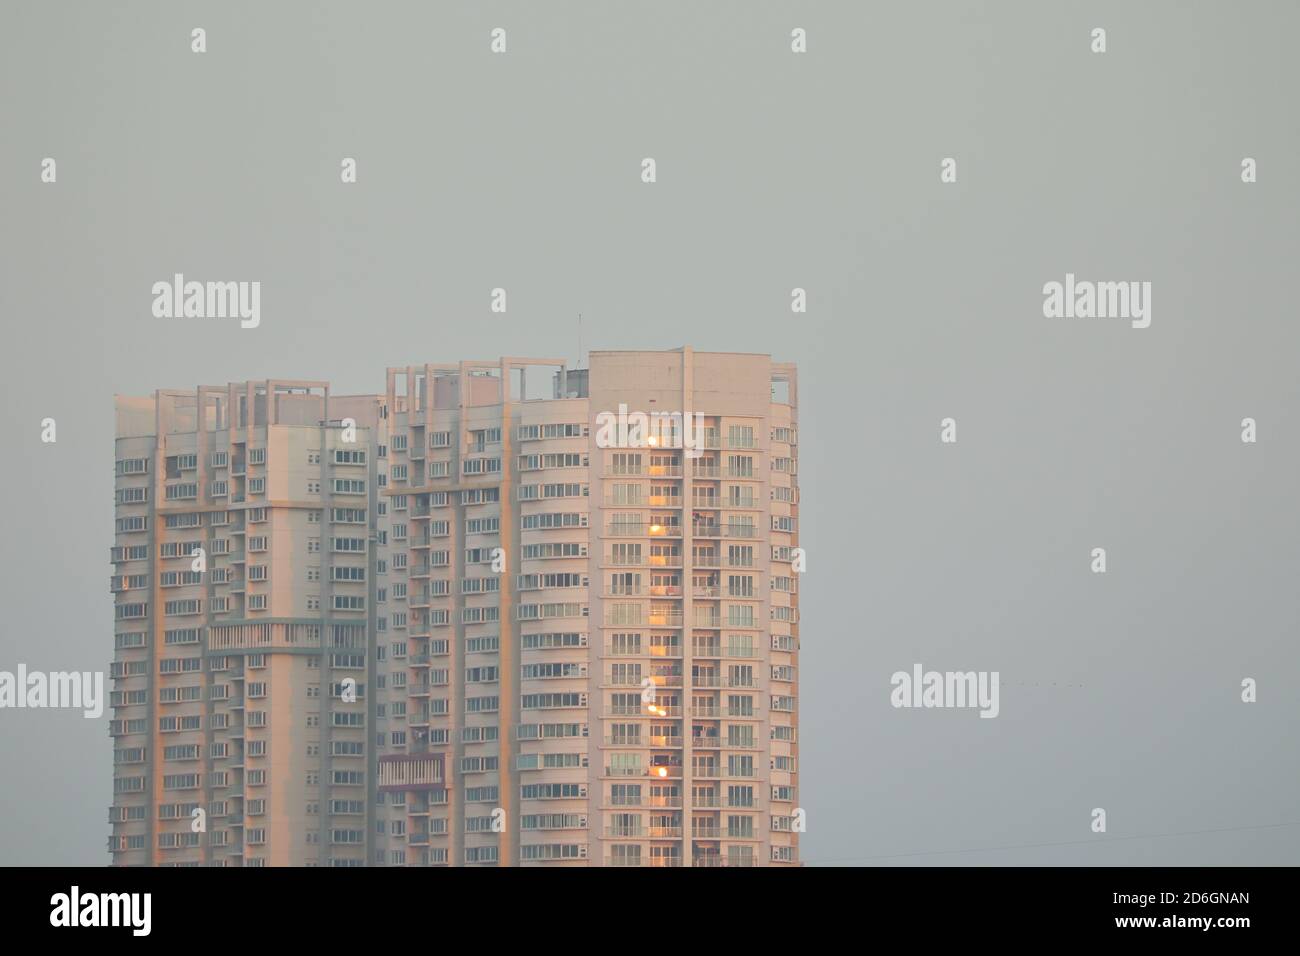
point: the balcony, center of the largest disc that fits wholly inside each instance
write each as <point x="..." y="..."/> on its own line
<point x="623" y="592"/>
<point x="638" y="711"/>
<point x="633" y="529"/>
<point x="626" y="501"/>
<point x="625" y="529"/>
<point x="625" y="680"/>
<point x="668" y="651"/>
<point x="624" y="772"/>
<point x="399" y="773"/>
<point x="625" y="832"/>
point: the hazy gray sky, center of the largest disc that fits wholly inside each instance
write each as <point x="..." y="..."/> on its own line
<point x="775" y="170"/>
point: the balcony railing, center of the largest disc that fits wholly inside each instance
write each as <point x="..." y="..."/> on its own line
<point x="712" y="861"/>
<point x="618" y="710"/>
<point x="624" y="529"/>
<point x="643" y="650"/>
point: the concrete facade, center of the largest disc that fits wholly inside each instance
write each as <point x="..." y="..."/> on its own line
<point x="452" y="624"/>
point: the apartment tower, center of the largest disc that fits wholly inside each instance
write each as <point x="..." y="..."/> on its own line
<point x="568" y="644"/>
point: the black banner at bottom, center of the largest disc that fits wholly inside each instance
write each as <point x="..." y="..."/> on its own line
<point x="1168" y="905"/>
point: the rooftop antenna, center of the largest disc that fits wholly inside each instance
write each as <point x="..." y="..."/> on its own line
<point x="579" y="340"/>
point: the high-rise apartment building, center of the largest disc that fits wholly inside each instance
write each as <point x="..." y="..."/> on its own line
<point x="457" y="624"/>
